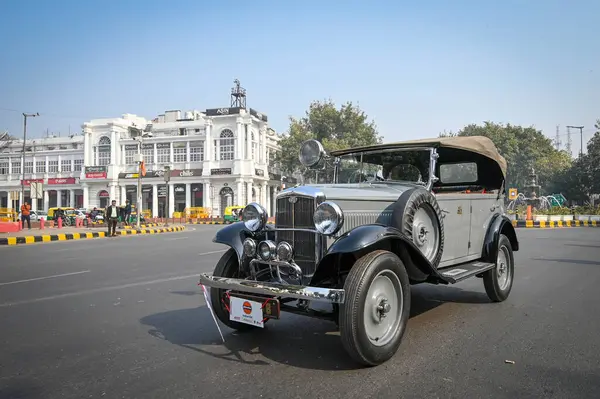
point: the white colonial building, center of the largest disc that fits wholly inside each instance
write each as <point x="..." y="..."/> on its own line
<point x="217" y="158"/>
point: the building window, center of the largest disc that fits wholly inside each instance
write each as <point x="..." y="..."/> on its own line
<point x="77" y="165"/>
<point x="65" y="165"/>
<point x="53" y="166"/>
<point x="40" y="166"/>
<point x="163" y="155"/>
<point x="16" y="166"/>
<point x="3" y="166"/>
<point x="28" y="167"/>
<point x="196" y="151"/>
<point x="226" y="145"/>
<point x="103" y="151"/>
<point x="179" y="152"/>
<point x="130" y="152"/>
<point x="254" y="147"/>
<point x="148" y="153"/>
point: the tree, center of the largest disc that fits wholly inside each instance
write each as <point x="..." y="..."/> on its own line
<point x="335" y="128"/>
<point x="523" y="148"/>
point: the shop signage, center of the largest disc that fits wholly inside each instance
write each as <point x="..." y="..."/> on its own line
<point x="28" y="182"/>
<point x="220" y="171"/>
<point x="180" y="189"/>
<point x="68" y="180"/>
<point x="163" y="145"/>
<point x="95" y="172"/>
<point x="162" y="191"/>
<point x="222" y="111"/>
<point x="103" y="194"/>
<point x="131" y="147"/>
<point x="259" y="172"/>
<point x="161" y="173"/>
<point x="258" y="115"/>
<point x="186" y="173"/>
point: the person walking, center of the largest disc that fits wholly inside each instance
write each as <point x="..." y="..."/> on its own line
<point x="127" y="212"/>
<point x="26" y="214"/>
<point x="112" y="216"/>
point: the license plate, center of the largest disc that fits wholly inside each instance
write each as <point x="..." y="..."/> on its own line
<point x="253" y="312"/>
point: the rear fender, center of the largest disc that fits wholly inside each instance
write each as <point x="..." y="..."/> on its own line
<point x="363" y="239"/>
<point x="500" y="225"/>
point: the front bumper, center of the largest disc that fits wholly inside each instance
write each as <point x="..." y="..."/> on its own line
<point x="320" y="294"/>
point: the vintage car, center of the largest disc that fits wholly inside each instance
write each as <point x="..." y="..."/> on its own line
<point x="423" y="211"/>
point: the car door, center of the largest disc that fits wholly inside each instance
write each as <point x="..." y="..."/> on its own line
<point x="484" y="206"/>
<point x="457" y="226"/>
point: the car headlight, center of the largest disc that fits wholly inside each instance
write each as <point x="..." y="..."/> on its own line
<point x="311" y="153"/>
<point x="254" y="216"/>
<point x="328" y="218"/>
<point x="267" y="250"/>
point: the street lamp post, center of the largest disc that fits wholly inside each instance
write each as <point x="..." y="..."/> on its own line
<point x="167" y="179"/>
<point x="25" y="116"/>
<point x="139" y="136"/>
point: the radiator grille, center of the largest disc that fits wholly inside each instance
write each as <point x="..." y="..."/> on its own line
<point x="298" y="215"/>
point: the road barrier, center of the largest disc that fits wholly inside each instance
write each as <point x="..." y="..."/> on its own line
<point x="553" y="224"/>
<point x="83" y="236"/>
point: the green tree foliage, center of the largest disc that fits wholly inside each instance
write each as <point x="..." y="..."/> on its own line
<point x="335" y="128"/>
<point x="523" y="148"/>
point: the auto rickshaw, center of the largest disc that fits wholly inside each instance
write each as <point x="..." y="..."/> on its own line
<point x="52" y="210"/>
<point x="233" y="213"/>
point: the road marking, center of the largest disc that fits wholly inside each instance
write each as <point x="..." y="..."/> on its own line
<point x="97" y="290"/>
<point x="176" y="238"/>
<point x="44" y="278"/>
<point x="212" y="252"/>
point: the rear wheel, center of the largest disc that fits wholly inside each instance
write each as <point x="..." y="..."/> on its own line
<point x="374" y="315"/>
<point x="498" y="281"/>
<point x="227" y="266"/>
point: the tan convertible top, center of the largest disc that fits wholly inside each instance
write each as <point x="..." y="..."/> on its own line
<point x="478" y="144"/>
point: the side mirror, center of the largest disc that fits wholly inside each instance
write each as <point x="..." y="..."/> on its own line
<point x="311" y="153"/>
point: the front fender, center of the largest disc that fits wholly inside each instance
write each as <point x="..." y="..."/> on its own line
<point x="369" y="237"/>
<point x="234" y="234"/>
<point x="500" y="224"/>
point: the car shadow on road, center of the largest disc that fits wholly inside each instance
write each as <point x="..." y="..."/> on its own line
<point x="291" y="341"/>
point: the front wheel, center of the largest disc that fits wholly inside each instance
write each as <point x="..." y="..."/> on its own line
<point x="498" y="281"/>
<point x="227" y="266"/>
<point x="374" y="316"/>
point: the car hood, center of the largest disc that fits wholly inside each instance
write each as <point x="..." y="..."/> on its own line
<point x="353" y="192"/>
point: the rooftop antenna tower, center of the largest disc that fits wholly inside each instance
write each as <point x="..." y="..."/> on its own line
<point x="238" y="95"/>
<point x="557" y="142"/>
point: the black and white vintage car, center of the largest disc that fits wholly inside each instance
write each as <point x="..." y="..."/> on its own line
<point x="423" y="211"/>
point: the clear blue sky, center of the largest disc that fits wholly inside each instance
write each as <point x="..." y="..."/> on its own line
<point x="417" y="68"/>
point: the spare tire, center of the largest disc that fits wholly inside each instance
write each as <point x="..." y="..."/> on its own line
<point x="418" y="216"/>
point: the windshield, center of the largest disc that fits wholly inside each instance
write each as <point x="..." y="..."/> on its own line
<point x="385" y="166"/>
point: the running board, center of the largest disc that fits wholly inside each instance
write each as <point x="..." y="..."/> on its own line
<point x="462" y="272"/>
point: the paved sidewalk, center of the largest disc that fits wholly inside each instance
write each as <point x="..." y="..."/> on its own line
<point x="72" y="233"/>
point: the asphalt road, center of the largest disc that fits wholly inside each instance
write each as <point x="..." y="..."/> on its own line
<point x="123" y="318"/>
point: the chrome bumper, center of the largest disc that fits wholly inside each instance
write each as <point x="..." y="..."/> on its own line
<point x="320" y="294"/>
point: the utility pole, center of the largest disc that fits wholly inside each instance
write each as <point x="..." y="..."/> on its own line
<point x="580" y="135"/>
<point x="569" y="142"/>
<point x="25" y="116"/>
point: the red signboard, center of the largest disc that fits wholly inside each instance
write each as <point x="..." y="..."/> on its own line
<point x="95" y="175"/>
<point x="28" y="182"/>
<point x="67" y="180"/>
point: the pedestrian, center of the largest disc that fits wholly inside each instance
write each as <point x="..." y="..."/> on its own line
<point x="26" y="214"/>
<point x="112" y="216"/>
<point x="127" y="212"/>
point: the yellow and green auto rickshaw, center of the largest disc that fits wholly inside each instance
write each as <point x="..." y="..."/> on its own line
<point x="233" y="213"/>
